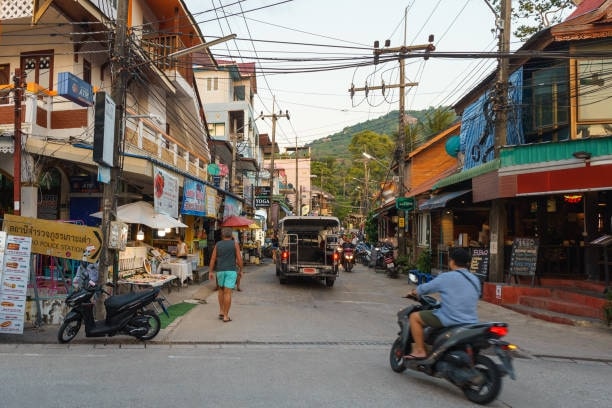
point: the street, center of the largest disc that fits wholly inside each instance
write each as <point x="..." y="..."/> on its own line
<point x="294" y="345"/>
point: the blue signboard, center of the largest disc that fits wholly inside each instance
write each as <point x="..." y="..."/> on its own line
<point x="194" y="198"/>
<point x="75" y="89"/>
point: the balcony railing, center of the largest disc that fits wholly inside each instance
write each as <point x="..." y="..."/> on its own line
<point x="159" y="47"/>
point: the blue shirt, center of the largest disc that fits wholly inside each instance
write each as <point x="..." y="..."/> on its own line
<point x="458" y="296"/>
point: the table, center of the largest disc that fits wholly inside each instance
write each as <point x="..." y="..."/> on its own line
<point x="181" y="268"/>
<point x="147" y="279"/>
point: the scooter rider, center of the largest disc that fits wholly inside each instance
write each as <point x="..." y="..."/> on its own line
<point x="459" y="291"/>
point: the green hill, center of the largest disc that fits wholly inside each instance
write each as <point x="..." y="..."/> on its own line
<point x="336" y="145"/>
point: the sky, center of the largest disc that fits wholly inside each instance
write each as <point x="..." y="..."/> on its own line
<point x="334" y="38"/>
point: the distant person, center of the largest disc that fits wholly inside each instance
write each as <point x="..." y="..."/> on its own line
<point x="226" y="259"/>
<point x="181" y="248"/>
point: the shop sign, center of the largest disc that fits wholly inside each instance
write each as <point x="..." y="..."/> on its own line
<point x="53" y="238"/>
<point x="404" y="203"/>
<point x="211" y="202"/>
<point x="194" y="198"/>
<point x="262" y="196"/>
<point x="75" y="89"/>
<point x="15" y="261"/>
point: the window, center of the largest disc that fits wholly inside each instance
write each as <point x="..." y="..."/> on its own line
<point x="550" y="98"/>
<point x="38" y="67"/>
<point x="239" y="92"/>
<point x="216" y="129"/>
<point x="424" y="229"/>
<point x="212" y="84"/>
<point x="87" y="71"/>
<point x="594" y="93"/>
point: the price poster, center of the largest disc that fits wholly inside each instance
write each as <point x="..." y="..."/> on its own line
<point x="14" y="282"/>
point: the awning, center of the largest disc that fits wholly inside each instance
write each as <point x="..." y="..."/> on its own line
<point x="440" y="201"/>
<point x="493" y="165"/>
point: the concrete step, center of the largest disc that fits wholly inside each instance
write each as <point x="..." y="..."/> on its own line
<point x="555" y="317"/>
<point x="560" y="305"/>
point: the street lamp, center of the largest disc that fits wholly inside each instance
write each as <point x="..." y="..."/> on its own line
<point x="370" y="157"/>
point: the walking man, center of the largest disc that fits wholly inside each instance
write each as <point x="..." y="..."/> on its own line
<point x="226" y="260"/>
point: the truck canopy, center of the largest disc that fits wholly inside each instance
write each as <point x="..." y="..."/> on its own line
<point x="294" y="223"/>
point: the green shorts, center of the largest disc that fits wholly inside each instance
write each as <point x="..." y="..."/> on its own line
<point x="227" y="279"/>
<point x="430" y="319"/>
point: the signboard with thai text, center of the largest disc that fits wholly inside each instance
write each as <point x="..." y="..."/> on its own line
<point x="14" y="282"/>
<point x="55" y="238"/>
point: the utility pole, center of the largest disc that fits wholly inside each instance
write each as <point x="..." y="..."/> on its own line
<point x="108" y="256"/>
<point x="274" y="117"/>
<point x="18" y="95"/>
<point x="498" y="216"/>
<point x="401" y="142"/>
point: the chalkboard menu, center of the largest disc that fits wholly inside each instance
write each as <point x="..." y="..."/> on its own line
<point x="480" y="263"/>
<point x="524" y="256"/>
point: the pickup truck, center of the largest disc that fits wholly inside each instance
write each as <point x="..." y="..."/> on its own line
<point x="307" y="248"/>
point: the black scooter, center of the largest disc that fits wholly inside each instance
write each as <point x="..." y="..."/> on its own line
<point x="125" y="314"/>
<point x="454" y="353"/>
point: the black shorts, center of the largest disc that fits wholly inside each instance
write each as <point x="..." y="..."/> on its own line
<point x="430" y="319"/>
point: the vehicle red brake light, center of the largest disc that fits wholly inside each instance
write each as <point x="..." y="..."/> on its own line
<point x="499" y="330"/>
<point x="285" y="255"/>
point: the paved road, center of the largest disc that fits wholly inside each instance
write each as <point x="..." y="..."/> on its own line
<point x="296" y="345"/>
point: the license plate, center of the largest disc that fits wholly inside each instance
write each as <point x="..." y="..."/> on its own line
<point x="390" y="265"/>
<point x="309" y="271"/>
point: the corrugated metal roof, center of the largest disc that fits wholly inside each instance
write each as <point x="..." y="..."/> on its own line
<point x="554" y="151"/>
<point x="468" y="174"/>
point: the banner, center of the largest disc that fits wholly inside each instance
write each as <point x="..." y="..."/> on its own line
<point x="15" y="278"/>
<point x="194" y="198"/>
<point x="166" y="189"/>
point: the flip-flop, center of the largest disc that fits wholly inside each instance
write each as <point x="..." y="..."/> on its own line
<point x="229" y="319"/>
<point x="220" y="316"/>
<point x="411" y="357"/>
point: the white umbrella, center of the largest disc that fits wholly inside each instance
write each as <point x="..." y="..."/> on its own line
<point x="141" y="212"/>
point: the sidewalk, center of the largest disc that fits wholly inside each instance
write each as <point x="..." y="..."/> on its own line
<point x="535" y="337"/>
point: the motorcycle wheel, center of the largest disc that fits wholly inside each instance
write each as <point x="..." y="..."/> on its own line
<point x="487" y="392"/>
<point x="154" y="325"/>
<point x="69" y="329"/>
<point x="396" y="356"/>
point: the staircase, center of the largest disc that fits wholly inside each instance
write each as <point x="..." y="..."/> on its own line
<point x="565" y="301"/>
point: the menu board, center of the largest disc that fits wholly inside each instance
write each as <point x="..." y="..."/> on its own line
<point x="14" y="279"/>
<point x="480" y="262"/>
<point x="524" y="256"/>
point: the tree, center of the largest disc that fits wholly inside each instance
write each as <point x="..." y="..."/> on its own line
<point x="532" y="16"/>
<point x="438" y="119"/>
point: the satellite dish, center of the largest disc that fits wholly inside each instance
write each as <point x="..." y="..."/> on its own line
<point x="452" y="146"/>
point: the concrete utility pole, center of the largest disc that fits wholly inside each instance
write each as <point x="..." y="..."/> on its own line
<point x="401" y="139"/>
<point x="274" y="117"/>
<point x="108" y="256"/>
<point x="498" y="216"/>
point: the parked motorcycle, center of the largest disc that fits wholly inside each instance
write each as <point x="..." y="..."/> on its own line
<point x="125" y="314"/>
<point x="454" y="353"/>
<point x="363" y="253"/>
<point x="384" y="260"/>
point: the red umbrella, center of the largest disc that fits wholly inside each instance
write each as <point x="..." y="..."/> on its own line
<point x="235" y="221"/>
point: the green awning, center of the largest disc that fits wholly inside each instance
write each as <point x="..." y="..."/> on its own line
<point x="468" y="174"/>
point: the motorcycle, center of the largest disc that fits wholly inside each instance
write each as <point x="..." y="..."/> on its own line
<point x="347" y="257"/>
<point x="363" y="253"/>
<point x="383" y="259"/>
<point x="455" y="353"/>
<point x="125" y="314"/>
